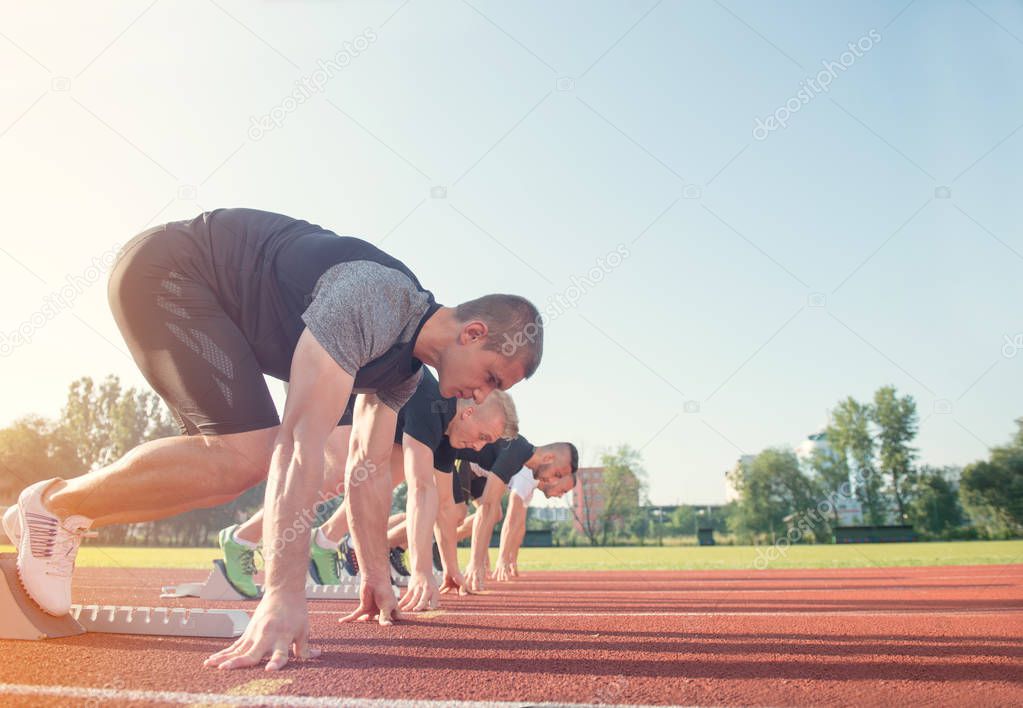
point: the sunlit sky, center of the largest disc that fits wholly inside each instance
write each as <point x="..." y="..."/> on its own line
<point x="875" y="239"/>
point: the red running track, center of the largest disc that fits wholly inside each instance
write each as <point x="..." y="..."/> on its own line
<point x="842" y="637"/>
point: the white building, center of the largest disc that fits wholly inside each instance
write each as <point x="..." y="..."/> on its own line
<point x="849" y="509"/>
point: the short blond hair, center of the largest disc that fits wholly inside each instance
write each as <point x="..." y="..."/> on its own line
<point x="500" y="401"/>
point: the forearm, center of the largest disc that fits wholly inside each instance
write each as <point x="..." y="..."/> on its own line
<point x="419" y="522"/>
<point x="516" y="536"/>
<point x="513" y="532"/>
<point x="295" y="476"/>
<point x="368" y="494"/>
<point x="447" y="537"/>
<point x="482" y="531"/>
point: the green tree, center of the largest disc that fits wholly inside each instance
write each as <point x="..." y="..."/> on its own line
<point x="104" y="422"/>
<point x="851" y="441"/>
<point x="831" y="471"/>
<point x="932" y="501"/>
<point x="683" y="521"/>
<point x="31" y="450"/>
<point x="640" y="525"/>
<point x="896" y="420"/>
<point x="771" y="487"/>
<point x="622" y="486"/>
<point x="992" y="489"/>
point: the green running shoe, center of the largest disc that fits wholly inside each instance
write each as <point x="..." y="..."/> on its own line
<point x="323" y="563"/>
<point x="239" y="563"/>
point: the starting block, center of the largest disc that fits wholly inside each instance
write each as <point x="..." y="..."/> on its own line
<point x="164" y="621"/>
<point x="218" y="587"/>
<point x="215" y="587"/>
<point x="344" y="591"/>
<point x="21" y="618"/>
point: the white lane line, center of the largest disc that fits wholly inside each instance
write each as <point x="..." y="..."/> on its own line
<point x="593" y="588"/>
<point x="470" y="614"/>
<point x="965" y="581"/>
<point x="138" y="696"/>
<point x="882" y="592"/>
<point x="601" y="585"/>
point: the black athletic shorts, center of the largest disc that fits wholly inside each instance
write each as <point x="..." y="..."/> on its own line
<point x="465" y="484"/>
<point x="186" y="345"/>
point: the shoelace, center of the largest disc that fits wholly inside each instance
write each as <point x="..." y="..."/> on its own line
<point x="350" y="557"/>
<point x="398" y="560"/>
<point x="247" y="558"/>
<point x="65" y="549"/>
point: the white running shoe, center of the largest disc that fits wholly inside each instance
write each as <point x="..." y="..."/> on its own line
<point x="12" y="525"/>
<point x="46" y="555"/>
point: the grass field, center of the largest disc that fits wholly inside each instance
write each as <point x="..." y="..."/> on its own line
<point x="643" y="558"/>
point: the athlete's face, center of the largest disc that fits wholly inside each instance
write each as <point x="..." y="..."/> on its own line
<point x="475" y="426"/>
<point x="554" y="476"/>
<point x="557" y="487"/>
<point x="468" y="370"/>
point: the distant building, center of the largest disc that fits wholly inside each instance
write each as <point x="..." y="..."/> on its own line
<point x="550" y="513"/>
<point x="814" y="443"/>
<point x="847" y="508"/>
<point x="588" y="500"/>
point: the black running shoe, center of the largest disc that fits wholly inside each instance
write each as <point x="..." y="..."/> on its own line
<point x="437" y="564"/>
<point x="397" y="557"/>
<point x="346" y="553"/>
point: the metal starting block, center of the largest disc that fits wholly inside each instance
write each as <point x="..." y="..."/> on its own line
<point x="162" y="621"/>
<point x="215" y="587"/>
<point x="344" y="591"/>
<point x="21" y="618"/>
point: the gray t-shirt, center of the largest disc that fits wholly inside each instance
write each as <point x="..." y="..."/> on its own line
<point x="361" y="310"/>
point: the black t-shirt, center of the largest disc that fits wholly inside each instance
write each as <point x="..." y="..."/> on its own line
<point x="504" y="458"/>
<point x="426" y="417"/>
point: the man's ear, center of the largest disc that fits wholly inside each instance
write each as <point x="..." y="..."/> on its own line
<point x="473" y="331"/>
<point x="548" y="458"/>
<point x="468" y="412"/>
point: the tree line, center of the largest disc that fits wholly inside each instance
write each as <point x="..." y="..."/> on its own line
<point x="862" y="469"/>
<point x="864" y="457"/>
<point x="866" y="461"/>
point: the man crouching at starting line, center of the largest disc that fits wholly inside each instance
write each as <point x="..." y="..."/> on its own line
<point x="209" y="306"/>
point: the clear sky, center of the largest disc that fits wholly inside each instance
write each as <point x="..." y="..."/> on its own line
<point x="761" y="272"/>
